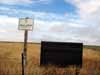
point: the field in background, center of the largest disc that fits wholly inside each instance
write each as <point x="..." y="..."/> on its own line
<point x="10" y="61"/>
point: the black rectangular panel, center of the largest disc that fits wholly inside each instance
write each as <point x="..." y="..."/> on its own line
<point x="61" y="53"/>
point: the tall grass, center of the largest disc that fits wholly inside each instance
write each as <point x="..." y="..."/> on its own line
<point x="90" y="67"/>
<point x="12" y="66"/>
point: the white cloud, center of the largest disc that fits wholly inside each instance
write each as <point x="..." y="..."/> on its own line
<point x="3" y="31"/>
<point x="51" y="31"/>
<point x="15" y="1"/>
<point x="87" y="9"/>
<point x="29" y="13"/>
<point x="9" y="29"/>
<point x="89" y="12"/>
<point x="53" y="27"/>
<point x="12" y="2"/>
<point x="15" y="12"/>
<point x="8" y="22"/>
<point x="43" y="30"/>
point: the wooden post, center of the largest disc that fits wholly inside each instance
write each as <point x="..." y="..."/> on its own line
<point x="24" y="54"/>
<point x="25" y="44"/>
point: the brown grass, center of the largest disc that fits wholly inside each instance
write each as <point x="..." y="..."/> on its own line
<point x="10" y="61"/>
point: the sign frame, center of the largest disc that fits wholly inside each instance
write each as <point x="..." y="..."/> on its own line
<point x="24" y="23"/>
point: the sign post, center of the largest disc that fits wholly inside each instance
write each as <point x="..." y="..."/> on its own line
<point x="25" y="24"/>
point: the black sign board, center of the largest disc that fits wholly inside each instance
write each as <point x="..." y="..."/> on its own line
<point x="61" y="53"/>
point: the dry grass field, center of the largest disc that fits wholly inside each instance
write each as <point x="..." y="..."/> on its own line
<point x="10" y="61"/>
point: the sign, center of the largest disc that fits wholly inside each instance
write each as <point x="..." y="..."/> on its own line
<point x="61" y="53"/>
<point x="25" y="24"/>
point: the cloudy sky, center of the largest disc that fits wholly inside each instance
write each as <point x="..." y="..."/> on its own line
<point x="54" y="20"/>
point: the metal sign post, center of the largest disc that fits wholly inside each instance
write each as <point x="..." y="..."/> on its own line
<point x="25" y="24"/>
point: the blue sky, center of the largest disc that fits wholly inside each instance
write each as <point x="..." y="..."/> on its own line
<point x="54" y="20"/>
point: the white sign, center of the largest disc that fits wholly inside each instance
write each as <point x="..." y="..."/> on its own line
<point x="25" y="24"/>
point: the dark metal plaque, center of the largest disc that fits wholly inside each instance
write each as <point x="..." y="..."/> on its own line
<point x="61" y="53"/>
